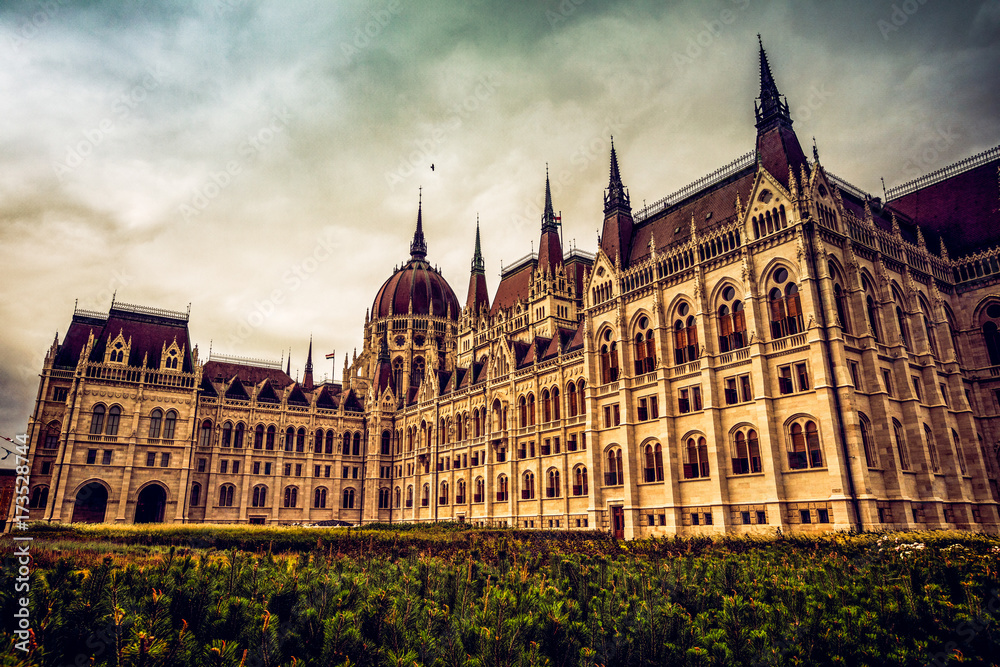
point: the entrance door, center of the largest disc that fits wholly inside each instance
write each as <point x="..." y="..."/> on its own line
<point x="618" y="522"/>
<point x="91" y="502"/>
<point x="150" y="505"/>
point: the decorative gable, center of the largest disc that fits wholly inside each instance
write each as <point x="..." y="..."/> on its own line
<point x="171" y="357"/>
<point x="118" y="350"/>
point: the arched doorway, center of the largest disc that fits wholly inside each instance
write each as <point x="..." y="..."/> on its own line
<point x="91" y="502"/>
<point x="150" y="504"/>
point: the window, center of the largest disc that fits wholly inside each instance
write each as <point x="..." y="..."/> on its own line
<point x="480" y="491"/>
<point x="195" y="494"/>
<point x="238" y="435"/>
<point x="267" y="468"/>
<point x="689" y="399"/>
<point x="871" y="455"/>
<point x="97" y="420"/>
<point x="114" y="415"/>
<point x="205" y="434"/>
<point x="944" y="394"/>
<point x="824" y="515"/>
<point x="685" y="337"/>
<point x="804" y="516"/>
<point x="223" y="467"/>
<point x="580" y="481"/>
<point x="326" y="471"/>
<point x="803" y="446"/>
<point x="571" y="392"/>
<point x="697" y="464"/>
<point x="732" y="322"/>
<point x="291" y="496"/>
<point x="46" y="467"/>
<point x="612" y="415"/>
<point x="106" y="458"/>
<point x="644" y="350"/>
<point x="761" y="517"/>
<point x="227" y="434"/>
<point x="150" y="458"/>
<point x="155" y="423"/>
<point x="802" y="375"/>
<point x="738" y="389"/>
<point x="785" y="384"/>
<point x="653" y="470"/>
<point x="840" y="300"/>
<point x="288" y="470"/>
<point x="746" y="453"/>
<point x="958" y="451"/>
<point x="384" y="498"/>
<point x="271" y="433"/>
<point x="785" y="307"/>
<point x="502" y="488"/>
<point x="443" y="496"/>
<point x="614" y="474"/>
<point x="289" y="438"/>
<point x="59" y="394"/>
<point x="887" y="382"/>
<point x="901" y="322"/>
<point x="39" y="498"/>
<point x="425" y="498"/>
<point x="901" y="449"/>
<point x="871" y="310"/>
<point x="528" y="486"/>
<point x="201" y="464"/>
<point x="648" y="408"/>
<point x="328" y="446"/>
<point x="258" y="437"/>
<point x="916" y="388"/>
<point x="552" y="487"/>
<point x="609" y="358"/>
<point x="226" y="495"/>
<point x="51" y="436"/>
<point x="855" y="374"/>
<point x="357" y="443"/>
<point x="259" y="496"/>
<point x="236" y="467"/>
<point x="298" y="470"/>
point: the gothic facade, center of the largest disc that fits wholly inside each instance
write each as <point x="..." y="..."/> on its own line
<point x="769" y="347"/>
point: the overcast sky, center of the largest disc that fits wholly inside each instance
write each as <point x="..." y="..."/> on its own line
<point x="261" y="160"/>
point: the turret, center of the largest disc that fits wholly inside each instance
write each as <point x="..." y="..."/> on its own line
<point x="778" y="149"/>
<point x="616" y="237"/>
<point x="549" y="247"/>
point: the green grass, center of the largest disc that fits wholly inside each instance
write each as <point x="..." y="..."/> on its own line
<point x="454" y="595"/>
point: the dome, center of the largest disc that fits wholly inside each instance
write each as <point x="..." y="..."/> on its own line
<point x="416" y="282"/>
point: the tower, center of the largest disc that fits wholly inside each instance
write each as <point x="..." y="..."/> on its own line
<point x="616" y="236"/>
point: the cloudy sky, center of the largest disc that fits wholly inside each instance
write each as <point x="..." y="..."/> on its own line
<point x="261" y="161"/>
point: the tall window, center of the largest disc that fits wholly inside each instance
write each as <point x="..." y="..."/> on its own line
<point x="238" y="435"/>
<point x="932" y="449"/>
<point x="552" y="487"/>
<point x="803" y="447"/>
<point x="227" y="434"/>
<point x="195" y="494"/>
<point x="258" y="437"/>
<point x="528" y="486"/>
<point x="272" y="432"/>
<point x="871" y="455"/>
<point x="259" y="496"/>
<point x="114" y="415"/>
<point x="685" y="336"/>
<point x="732" y="322"/>
<point x="356" y="446"/>
<point x="991" y="334"/>
<point x="348" y="500"/>
<point x="300" y="440"/>
<point x="169" y="424"/>
<point x="746" y="454"/>
<point x="480" y="493"/>
<point x="319" y="498"/>
<point x="609" y="358"/>
<point x="555" y="403"/>
<point x="644" y="349"/>
<point x="697" y="464"/>
<point x="155" y="422"/>
<point x="785" y="309"/>
<point x="653" y="470"/>
<point x="840" y="299"/>
<point x="205" y="434"/>
<point x="425" y="498"/>
<point x="226" y="495"/>
<point x="958" y="450"/>
<point x="901" y="321"/>
<point x="97" y="419"/>
<point x="383" y="498"/>
<point x="613" y="471"/>
<point x="291" y="496"/>
<point x="871" y="310"/>
<point x="397" y="373"/>
<point x="571" y="393"/>
<point x="40" y="498"/>
<point x="580" y="481"/>
<point x="503" y="488"/>
<point x="899" y="436"/>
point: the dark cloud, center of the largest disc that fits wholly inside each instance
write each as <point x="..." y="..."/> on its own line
<point x="173" y="153"/>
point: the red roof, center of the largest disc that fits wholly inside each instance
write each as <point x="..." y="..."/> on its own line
<point x="247" y="373"/>
<point x="549" y="251"/>
<point x="419" y="283"/>
<point x="478" y="294"/>
<point x="512" y="288"/>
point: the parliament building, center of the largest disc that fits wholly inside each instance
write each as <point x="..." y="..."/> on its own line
<point x="767" y="348"/>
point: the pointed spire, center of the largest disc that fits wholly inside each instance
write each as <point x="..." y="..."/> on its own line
<point x="617" y="195"/>
<point x="288" y="369"/>
<point x="307" y="376"/>
<point x="478" y="266"/>
<point x="418" y="248"/>
<point x="548" y="216"/>
<point x="772" y="110"/>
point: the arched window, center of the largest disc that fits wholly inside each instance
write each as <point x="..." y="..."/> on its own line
<point x="169" y="424"/>
<point x="155" y="423"/>
<point x="238" y="434"/>
<point x="97" y="419"/>
<point x="645" y="347"/>
<point x="685" y="336"/>
<point x="300" y="440"/>
<point x="227" y="434"/>
<point x="226" y="495"/>
<point x="609" y="358"/>
<point x="522" y="412"/>
<point x="347" y="444"/>
<point x="546" y="407"/>
<point x="398" y="497"/>
<point x="397" y="374"/>
<point x="953" y="334"/>
<point x="697" y="464"/>
<point x="867" y="442"/>
<point x="552" y="486"/>
<point x="932" y="449"/>
<point x="319" y="498"/>
<point x="746" y="452"/>
<point x="328" y="444"/>
<point x="528" y="486"/>
<point x="571" y="392"/>
<point x="958" y="450"/>
<point x="386" y="442"/>
<point x="503" y="488"/>
<point x="555" y="404"/>
<point x="785" y="307"/>
<point x="205" y="434"/>
<point x="409" y="496"/>
<point x="348" y="502"/>
<point x="425" y="498"/>
<point x="417" y="374"/>
<point x="383" y="498"/>
<point x="902" y="322"/>
<point x="272" y="432"/>
<point x="480" y="493"/>
<point x="580" y="481"/>
<point x="289" y="438"/>
<point x="803" y="446"/>
<point x="871" y="310"/>
<point x="114" y="414"/>
<point x="39" y="498"/>
<point x="732" y="321"/>
<point x="653" y="470"/>
<point x="291" y="496"/>
<point x="840" y="300"/>
<point x="991" y="336"/>
<point x="900" y="437"/>
<point x="259" y="496"/>
<point x="258" y="437"/>
<point x="195" y="494"/>
<point x="318" y="441"/>
<point x="614" y="473"/>
<point x="460" y="492"/>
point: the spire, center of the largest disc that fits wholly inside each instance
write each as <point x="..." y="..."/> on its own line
<point x="772" y="109"/>
<point x="548" y="216"/>
<point x="418" y="248"/>
<point x="307" y="376"/>
<point x="617" y="196"/>
<point x="288" y="369"/>
<point x="478" y="266"/>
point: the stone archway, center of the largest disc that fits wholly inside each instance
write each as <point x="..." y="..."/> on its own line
<point x="91" y="504"/>
<point x="150" y="504"/>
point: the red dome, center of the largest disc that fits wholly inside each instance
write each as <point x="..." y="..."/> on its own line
<point x="418" y="282"/>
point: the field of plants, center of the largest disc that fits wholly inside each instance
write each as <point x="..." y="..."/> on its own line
<point x="447" y="595"/>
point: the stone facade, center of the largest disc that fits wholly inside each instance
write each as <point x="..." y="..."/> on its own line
<point x="768" y="348"/>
